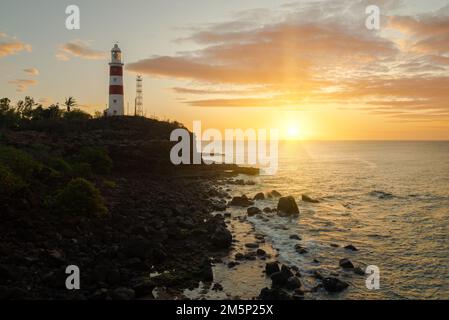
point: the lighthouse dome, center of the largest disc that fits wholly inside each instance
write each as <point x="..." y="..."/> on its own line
<point x="116" y="48"/>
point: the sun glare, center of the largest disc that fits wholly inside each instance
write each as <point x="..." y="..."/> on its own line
<point x="293" y="133"/>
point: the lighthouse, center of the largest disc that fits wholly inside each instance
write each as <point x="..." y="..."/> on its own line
<point x="116" y="99"/>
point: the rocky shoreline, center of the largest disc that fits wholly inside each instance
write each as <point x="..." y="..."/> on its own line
<point x="142" y="225"/>
<point x="254" y="259"/>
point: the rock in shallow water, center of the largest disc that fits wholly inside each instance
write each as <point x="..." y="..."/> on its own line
<point x="293" y="283"/>
<point x="279" y="279"/>
<point x="287" y="207"/>
<point x="334" y="284"/>
<point x="359" y="271"/>
<point x="242" y="201"/>
<point x="253" y="211"/>
<point x="306" y="198"/>
<point x="276" y="194"/>
<point x="259" y="196"/>
<point x="286" y="270"/>
<point x="252" y="245"/>
<point x="271" y="267"/>
<point x="346" y="264"/>
<point x="351" y="247"/>
<point x="300" y="249"/>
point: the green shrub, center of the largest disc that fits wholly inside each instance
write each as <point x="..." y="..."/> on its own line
<point x="77" y="114"/>
<point x="19" y="162"/>
<point x="109" y="184"/>
<point x="60" y="165"/>
<point x="80" y="197"/>
<point x="98" y="159"/>
<point x="82" y="170"/>
<point x="9" y="183"/>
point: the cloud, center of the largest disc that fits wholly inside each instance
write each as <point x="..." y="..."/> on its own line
<point x="23" y="84"/>
<point x="311" y="54"/>
<point x="32" y="71"/>
<point x="212" y="91"/>
<point x="11" y="45"/>
<point x="79" y="49"/>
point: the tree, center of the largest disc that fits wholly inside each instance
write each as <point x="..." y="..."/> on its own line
<point x="52" y="112"/>
<point x="5" y="105"/>
<point x="25" y="107"/>
<point x="98" y="114"/>
<point x="70" y="102"/>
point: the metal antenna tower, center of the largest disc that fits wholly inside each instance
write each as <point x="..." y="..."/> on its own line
<point x="138" y="110"/>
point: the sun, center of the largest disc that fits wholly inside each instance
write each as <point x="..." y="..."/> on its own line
<point x="293" y="133"/>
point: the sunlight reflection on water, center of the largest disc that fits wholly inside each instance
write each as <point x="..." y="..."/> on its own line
<point x="389" y="199"/>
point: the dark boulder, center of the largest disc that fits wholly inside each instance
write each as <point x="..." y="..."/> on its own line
<point x="334" y="284"/>
<point x="275" y="194"/>
<point x="252" y="245"/>
<point x="260" y="252"/>
<point x="242" y="201"/>
<point x="286" y="271"/>
<point x="135" y="248"/>
<point x="287" y="207"/>
<point x="295" y="237"/>
<point x="252" y="211"/>
<point x="218" y="206"/>
<point x="205" y="271"/>
<point x="217" y="287"/>
<point x="293" y="283"/>
<point x="300" y="249"/>
<point x="279" y="279"/>
<point x="267" y="210"/>
<point x="359" y="271"/>
<point x="346" y="264"/>
<point x="123" y="294"/>
<point x="306" y="198"/>
<point x="221" y="238"/>
<point x="259" y="196"/>
<point x="271" y="267"/>
<point x="351" y="247"/>
<point x="239" y="256"/>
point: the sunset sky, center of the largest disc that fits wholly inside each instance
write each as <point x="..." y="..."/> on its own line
<point x="310" y="68"/>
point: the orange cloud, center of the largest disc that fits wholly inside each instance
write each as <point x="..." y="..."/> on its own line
<point x="32" y="71"/>
<point x="10" y="46"/>
<point x="23" y="84"/>
<point x="78" y="49"/>
<point x="307" y="56"/>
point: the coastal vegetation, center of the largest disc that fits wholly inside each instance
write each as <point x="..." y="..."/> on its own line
<point x="100" y="193"/>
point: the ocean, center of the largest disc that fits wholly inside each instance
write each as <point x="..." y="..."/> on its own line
<point x="388" y="199"/>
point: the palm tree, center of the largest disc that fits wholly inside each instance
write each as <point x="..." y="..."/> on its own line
<point x="69" y="103"/>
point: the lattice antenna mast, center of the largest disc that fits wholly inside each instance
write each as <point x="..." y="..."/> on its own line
<point x="139" y="97"/>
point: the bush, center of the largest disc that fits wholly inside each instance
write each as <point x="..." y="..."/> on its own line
<point x="9" y="183"/>
<point x="98" y="159"/>
<point x="19" y="162"/>
<point x="77" y="114"/>
<point x="80" y="197"/>
<point x="109" y="184"/>
<point x="82" y="170"/>
<point x="60" y="165"/>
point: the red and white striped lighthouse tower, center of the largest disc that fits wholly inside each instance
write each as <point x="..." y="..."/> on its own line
<point x="116" y="99"/>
